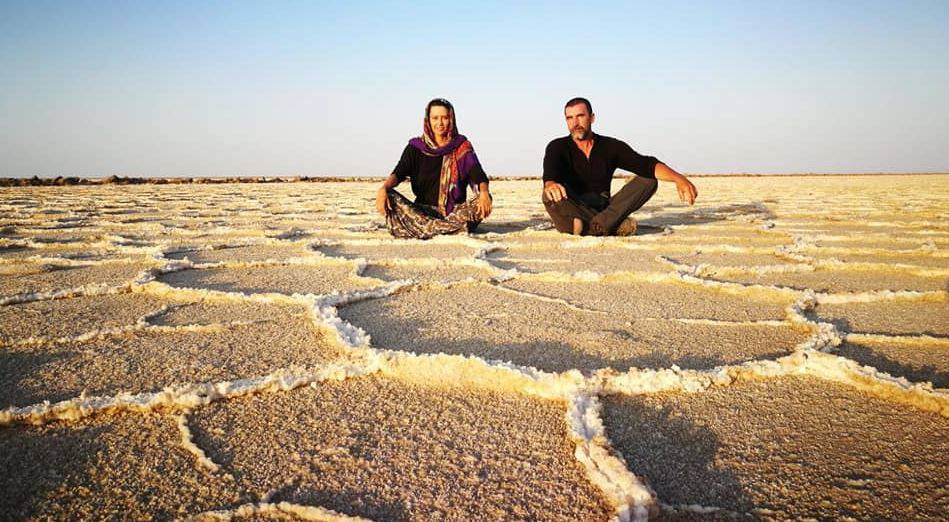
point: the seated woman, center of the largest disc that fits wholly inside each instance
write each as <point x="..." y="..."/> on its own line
<point x="441" y="164"/>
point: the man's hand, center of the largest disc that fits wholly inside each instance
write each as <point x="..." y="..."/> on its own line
<point x="484" y="203"/>
<point x="687" y="191"/>
<point x="382" y="201"/>
<point x="554" y="191"/>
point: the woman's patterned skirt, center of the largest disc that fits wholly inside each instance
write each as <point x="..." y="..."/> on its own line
<point x="408" y="220"/>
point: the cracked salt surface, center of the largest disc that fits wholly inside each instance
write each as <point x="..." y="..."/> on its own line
<point x="270" y="352"/>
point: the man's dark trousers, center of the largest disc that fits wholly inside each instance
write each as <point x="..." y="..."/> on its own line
<point x="600" y="215"/>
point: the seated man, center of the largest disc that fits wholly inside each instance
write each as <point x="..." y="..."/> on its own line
<point x="578" y="170"/>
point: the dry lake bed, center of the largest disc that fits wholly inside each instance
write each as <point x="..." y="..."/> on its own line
<point x="267" y="351"/>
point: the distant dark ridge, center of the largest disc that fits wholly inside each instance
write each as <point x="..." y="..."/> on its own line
<point x="37" y="181"/>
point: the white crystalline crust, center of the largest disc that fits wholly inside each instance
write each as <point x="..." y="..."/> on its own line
<point x="187" y="441"/>
<point x="630" y="497"/>
<point x="310" y="513"/>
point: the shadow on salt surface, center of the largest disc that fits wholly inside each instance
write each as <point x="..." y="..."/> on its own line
<point x="52" y="319"/>
<point x="16" y="251"/>
<point x="478" y="319"/>
<point x="665" y="300"/>
<point x="432" y="274"/>
<point x="837" y="280"/>
<point x="731" y="259"/>
<point x="149" y="361"/>
<point x="45" y="278"/>
<point x="702" y="215"/>
<point x="388" y="449"/>
<point x="217" y="312"/>
<point x="394" y="249"/>
<point x="795" y="447"/>
<point x="245" y="253"/>
<point x="919" y="361"/>
<point x="601" y="259"/>
<point x="513" y="226"/>
<point x="645" y="434"/>
<point x="16" y="367"/>
<point x="282" y="279"/>
<point x="889" y="317"/>
<point x="121" y="466"/>
<point x="911" y="259"/>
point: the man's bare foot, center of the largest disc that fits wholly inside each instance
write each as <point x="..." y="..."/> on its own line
<point x="627" y="227"/>
<point x="577" y="226"/>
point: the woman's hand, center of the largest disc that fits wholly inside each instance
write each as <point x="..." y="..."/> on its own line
<point x="382" y="200"/>
<point x="484" y="203"/>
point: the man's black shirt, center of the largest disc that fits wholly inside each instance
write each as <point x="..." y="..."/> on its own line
<point x="566" y="164"/>
<point x="425" y="172"/>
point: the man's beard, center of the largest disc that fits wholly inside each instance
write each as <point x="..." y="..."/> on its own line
<point x="580" y="133"/>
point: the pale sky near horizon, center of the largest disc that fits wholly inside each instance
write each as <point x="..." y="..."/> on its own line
<point x="335" y="88"/>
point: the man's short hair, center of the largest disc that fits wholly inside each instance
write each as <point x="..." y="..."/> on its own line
<point x="578" y="101"/>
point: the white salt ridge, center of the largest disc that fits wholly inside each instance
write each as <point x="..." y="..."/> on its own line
<point x="826" y="366"/>
<point x="929" y="248"/>
<point x="105" y="333"/>
<point x="718" y="322"/>
<point x="296" y="261"/>
<point x="325" y="312"/>
<point x="874" y="296"/>
<point x="182" y="397"/>
<point x="586" y="276"/>
<point x="839" y="369"/>
<point x="825" y="336"/>
<point x="65" y="262"/>
<point x="85" y="290"/>
<point x="705" y="269"/>
<point x="736" y="288"/>
<point x="462" y="240"/>
<point x="701" y="510"/>
<point x="187" y="441"/>
<point x="631" y="498"/>
<point x="709" y="270"/>
<point x="281" y="509"/>
<point x="917" y="270"/>
<point x="915" y="340"/>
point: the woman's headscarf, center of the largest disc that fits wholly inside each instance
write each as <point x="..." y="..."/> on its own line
<point x="458" y="158"/>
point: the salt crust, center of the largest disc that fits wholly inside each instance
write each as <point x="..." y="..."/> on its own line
<point x="632" y="499"/>
<point x="905" y="340"/>
<point x="310" y="513"/>
<point x="187" y="441"/>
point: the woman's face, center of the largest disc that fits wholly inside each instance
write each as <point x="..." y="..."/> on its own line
<point x="440" y="120"/>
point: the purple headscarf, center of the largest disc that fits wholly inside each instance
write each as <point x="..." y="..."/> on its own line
<point x="458" y="158"/>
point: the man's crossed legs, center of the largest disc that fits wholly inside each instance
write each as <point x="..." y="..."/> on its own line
<point x="594" y="214"/>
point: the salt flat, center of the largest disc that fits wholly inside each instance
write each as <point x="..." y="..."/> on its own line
<point x="256" y="351"/>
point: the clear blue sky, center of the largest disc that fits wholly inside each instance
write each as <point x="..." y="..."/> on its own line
<point x="193" y="88"/>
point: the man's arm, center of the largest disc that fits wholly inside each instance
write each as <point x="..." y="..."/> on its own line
<point x="553" y="190"/>
<point x="650" y="167"/>
<point x="687" y="191"/>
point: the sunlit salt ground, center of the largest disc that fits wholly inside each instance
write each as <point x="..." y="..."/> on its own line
<point x="267" y="351"/>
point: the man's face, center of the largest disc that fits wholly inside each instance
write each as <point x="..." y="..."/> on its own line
<point x="440" y="120"/>
<point x="579" y="121"/>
